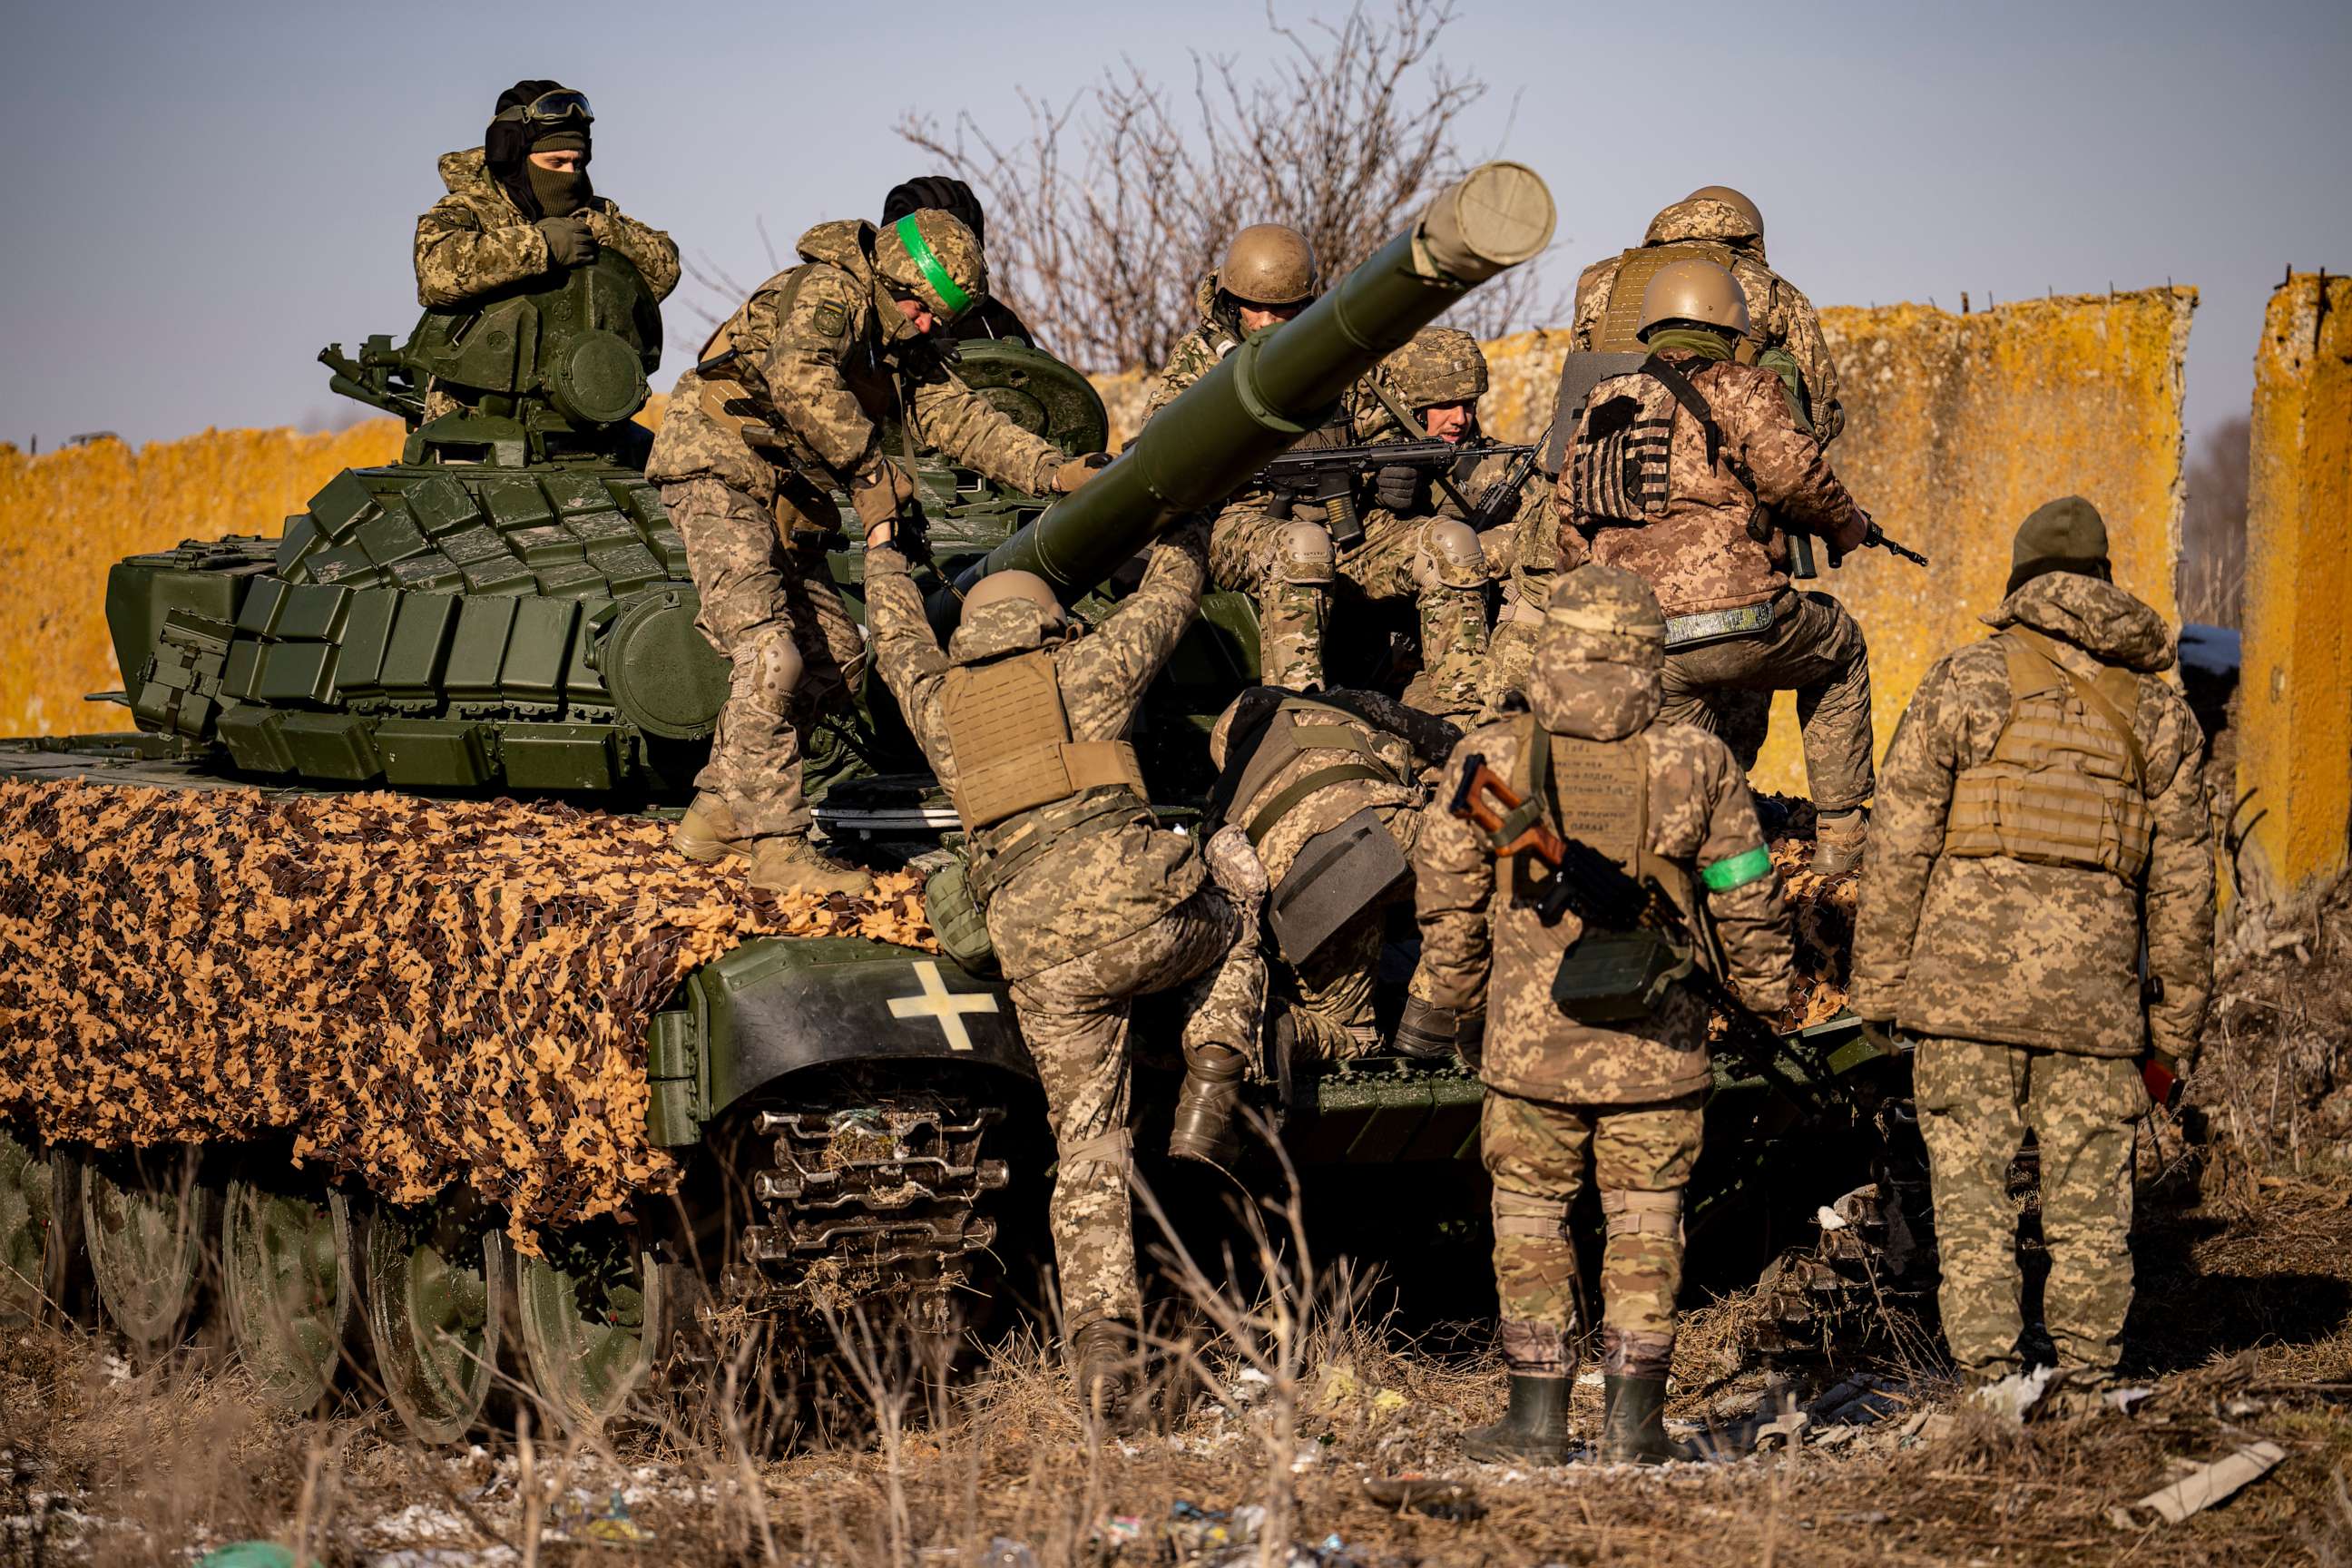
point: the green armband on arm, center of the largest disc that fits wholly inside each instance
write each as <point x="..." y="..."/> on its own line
<point x="1738" y="871"/>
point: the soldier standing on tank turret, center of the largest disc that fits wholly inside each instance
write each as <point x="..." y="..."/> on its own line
<point x="749" y="454"/>
<point x="1692" y="470"/>
<point x="1595" y="755"/>
<point x="2042" y="845"/>
<point x="993" y="318"/>
<point x="1089" y="901"/>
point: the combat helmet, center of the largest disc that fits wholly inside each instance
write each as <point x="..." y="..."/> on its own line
<point x="1694" y="290"/>
<point x="1442" y="364"/>
<point x="1007" y="612"/>
<point x="1751" y="214"/>
<point x="930" y="255"/>
<point x="1268" y="264"/>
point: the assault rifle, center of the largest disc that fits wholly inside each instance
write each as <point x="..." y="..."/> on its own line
<point x="1875" y="538"/>
<point x="1330" y="476"/>
<point x="1605" y="897"/>
<point x="1800" y="550"/>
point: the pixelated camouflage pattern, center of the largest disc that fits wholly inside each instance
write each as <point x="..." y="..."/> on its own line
<point x="418" y="992"/>
<point x="1440" y="364"/>
<point x="796" y="651"/>
<point x="1977" y="1101"/>
<point x="1700" y="812"/>
<point x="1538" y="1149"/>
<point x="1196" y="353"/>
<point x="1816" y="649"/>
<point x="1245" y="557"/>
<point x="955" y="248"/>
<point x="1522" y="553"/>
<point x="2040" y="955"/>
<point x="1698" y="555"/>
<point x="823" y="357"/>
<point x="1778" y="314"/>
<point x="476" y="239"/>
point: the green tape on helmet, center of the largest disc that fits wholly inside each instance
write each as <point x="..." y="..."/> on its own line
<point x="949" y="293"/>
<point x="1738" y="871"/>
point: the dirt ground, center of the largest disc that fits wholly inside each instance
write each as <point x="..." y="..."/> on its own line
<point x="1291" y="1417"/>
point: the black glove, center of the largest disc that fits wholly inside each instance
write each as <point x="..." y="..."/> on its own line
<point x="1397" y="486"/>
<point x="570" y="241"/>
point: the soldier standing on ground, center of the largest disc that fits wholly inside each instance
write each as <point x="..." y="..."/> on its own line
<point x="1089" y="901"/>
<point x="2041" y="823"/>
<point x="748" y="456"/>
<point x="1692" y="471"/>
<point x="1668" y="802"/>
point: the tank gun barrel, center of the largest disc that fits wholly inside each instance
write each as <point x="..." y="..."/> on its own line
<point x="1278" y="385"/>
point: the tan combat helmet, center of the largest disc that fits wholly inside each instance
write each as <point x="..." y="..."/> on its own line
<point x="1268" y="264"/>
<point x="998" y="587"/>
<point x="1442" y="364"/>
<point x="930" y="254"/>
<point x="1693" y="292"/>
<point x="1733" y="199"/>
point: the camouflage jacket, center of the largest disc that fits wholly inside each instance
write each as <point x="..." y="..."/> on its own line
<point x="1089" y="892"/>
<point x="1522" y="550"/>
<point x="1198" y="352"/>
<point x="476" y="239"/>
<point x="1999" y="950"/>
<point x="1482" y="951"/>
<point x="1699" y="555"/>
<point x="822" y="358"/>
<point x="1777" y="312"/>
<point x="1409" y="742"/>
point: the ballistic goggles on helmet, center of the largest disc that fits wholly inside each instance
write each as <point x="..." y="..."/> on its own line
<point x="549" y="109"/>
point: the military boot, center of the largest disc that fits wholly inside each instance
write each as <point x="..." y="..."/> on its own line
<point x="1634" y="1427"/>
<point x="1204" y="1106"/>
<point x="1838" y="842"/>
<point x="1533" y="1429"/>
<point x="1104" y="1366"/>
<point x="708" y="832"/>
<point x="789" y="863"/>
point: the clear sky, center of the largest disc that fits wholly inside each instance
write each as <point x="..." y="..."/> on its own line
<point x="201" y="195"/>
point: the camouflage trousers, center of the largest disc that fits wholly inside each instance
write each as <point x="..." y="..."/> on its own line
<point x="773" y="612"/>
<point x="1075" y="1017"/>
<point x="1976" y="1103"/>
<point x="1511" y="648"/>
<point x="1391" y="562"/>
<point x="1816" y="649"/>
<point x="1641" y="1156"/>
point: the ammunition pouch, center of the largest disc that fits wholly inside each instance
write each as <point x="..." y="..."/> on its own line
<point x="1339" y="873"/>
<point x="959" y="918"/>
<point x="998" y="857"/>
<point x="1626" y="1211"/>
<point x="1614" y="977"/>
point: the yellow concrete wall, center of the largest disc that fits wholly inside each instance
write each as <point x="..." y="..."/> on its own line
<point x="2295" y="740"/>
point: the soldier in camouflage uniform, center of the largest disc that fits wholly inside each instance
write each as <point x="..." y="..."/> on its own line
<point x="1692" y="471"/>
<point x="1302" y="769"/>
<point x="2041" y="824"/>
<point x="521" y="207"/>
<point x="1667" y="801"/>
<point x="748" y="457"/>
<point x="1716" y="223"/>
<point x="1089" y="901"/>
<point x="993" y="318"/>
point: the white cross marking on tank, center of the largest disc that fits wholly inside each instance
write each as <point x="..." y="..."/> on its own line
<point x="942" y="1005"/>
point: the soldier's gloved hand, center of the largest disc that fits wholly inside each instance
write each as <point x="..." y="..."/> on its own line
<point x="569" y="243"/>
<point x="1079" y="470"/>
<point x="879" y="499"/>
<point x="1852" y="536"/>
<point x="1397" y="486"/>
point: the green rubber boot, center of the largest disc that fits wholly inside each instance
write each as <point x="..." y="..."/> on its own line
<point x="1533" y="1430"/>
<point x="1634" y="1429"/>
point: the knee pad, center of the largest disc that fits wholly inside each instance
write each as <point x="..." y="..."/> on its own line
<point x="1526" y="1214"/>
<point x="771" y="662"/>
<point x="1626" y="1213"/>
<point x="1451" y="554"/>
<point x="1304" y="554"/>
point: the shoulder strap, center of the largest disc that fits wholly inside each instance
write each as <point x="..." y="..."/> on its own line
<point x="2094" y="699"/>
<point x="1674" y="382"/>
<point x="1275" y="810"/>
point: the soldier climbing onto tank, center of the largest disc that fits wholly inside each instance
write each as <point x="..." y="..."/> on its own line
<point x="992" y="318"/>
<point x="783" y="408"/>
<point x="1618" y="1082"/>
<point x="1693" y="471"/>
<point x="1331" y="790"/>
<point x="2042" y="845"/>
<point x="1089" y="901"/>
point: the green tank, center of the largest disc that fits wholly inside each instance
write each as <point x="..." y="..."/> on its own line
<point x="508" y="610"/>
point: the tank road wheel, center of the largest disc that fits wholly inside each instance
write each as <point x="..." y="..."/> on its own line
<point x="41" y="1201"/>
<point x="283" y="1283"/>
<point x="145" y="1218"/>
<point x="432" y="1281"/>
<point x="594" y="1315"/>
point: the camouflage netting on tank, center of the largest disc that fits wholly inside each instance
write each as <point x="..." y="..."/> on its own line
<point x="420" y="993"/>
<point x="1821" y="910"/>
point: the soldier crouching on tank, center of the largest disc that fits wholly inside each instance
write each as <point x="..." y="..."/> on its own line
<point x="992" y="318"/>
<point x="1667" y="802"/>
<point x="1331" y="790"/>
<point x="1691" y="471"/>
<point x="749" y="454"/>
<point x="1089" y="903"/>
<point x="2042" y="843"/>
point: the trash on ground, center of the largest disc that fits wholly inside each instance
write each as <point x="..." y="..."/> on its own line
<point x="2213" y="1483"/>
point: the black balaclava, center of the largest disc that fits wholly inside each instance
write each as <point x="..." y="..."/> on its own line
<point x="943" y="192"/>
<point x="508" y="144"/>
